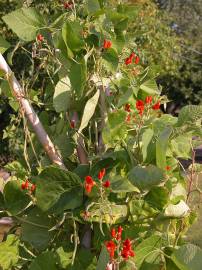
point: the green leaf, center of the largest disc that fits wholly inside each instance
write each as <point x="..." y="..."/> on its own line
<point x="161" y="147"/>
<point x="103" y="259"/>
<point x="146" y="177"/>
<point x="125" y="97"/>
<point x="145" y="248"/>
<point x="35" y="228"/>
<point x="188" y="257"/>
<point x="177" y="210"/>
<point x="45" y="260"/>
<point x="65" y="145"/>
<point x="25" y="22"/>
<point x="115" y="128"/>
<point x="58" y="190"/>
<point x="71" y="33"/>
<point x="150" y="87"/>
<point x="151" y="266"/>
<point x="181" y="146"/>
<point x="120" y="21"/>
<point x="64" y="257"/>
<point x="148" y="146"/>
<point x="89" y="110"/>
<point x="9" y="252"/>
<point x="189" y="114"/>
<point x="62" y="96"/>
<point x="157" y="197"/>
<point x="93" y="6"/>
<point x="107" y="213"/>
<point x="78" y="77"/>
<point x="110" y="59"/>
<point x="121" y="184"/>
<point x="4" y="45"/>
<point x="17" y="169"/>
<point x="16" y="199"/>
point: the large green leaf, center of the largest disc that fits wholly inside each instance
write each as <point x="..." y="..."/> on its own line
<point x="16" y="199"/>
<point x="44" y="261"/>
<point x="146" y="177"/>
<point x="145" y="248"/>
<point x="189" y="114"/>
<point x="181" y="146"/>
<point x="35" y="228"/>
<point x="148" y="145"/>
<point x="58" y="190"/>
<point x="93" y="6"/>
<point x="157" y="197"/>
<point x="62" y="95"/>
<point x="119" y="20"/>
<point x="110" y="59"/>
<point x="4" y="45"/>
<point x="71" y="33"/>
<point x="78" y="76"/>
<point x="161" y="147"/>
<point x="103" y="259"/>
<point x="150" y="87"/>
<point x="89" y="110"/>
<point x="9" y="252"/>
<point x="25" y="22"/>
<point x="188" y="257"/>
<point x="115" y="128"/>
<point x="121" y="184"/>
<point x="107" y="213"/>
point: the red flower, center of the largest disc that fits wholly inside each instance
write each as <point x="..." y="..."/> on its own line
<point x="113" y="233"/>
<point x="129" y="59"/>
<point x="137" y="60"/>
<point x="67" y="5"/>
<point x="40" y="38"/>
<point x="111" y="247"/>
<point x="127" y="249"/>
<point x="107" y="184"/>
<point x="119" y="234"/>
<point x="107" y="44"/>
<point x="25" y="185"/>
<point x="72" y="123"/>
<point x="128" y="118"/>
<point x="89" y="183"/>
<point x="156" y="106"/>
<point x="168" y="168"/>
<point x="101" y="174"/>
<point x="127" y="107"/>
<point x="148" y="99"/>
<point x="33" y="188"/>
<point x="140" y="106"/>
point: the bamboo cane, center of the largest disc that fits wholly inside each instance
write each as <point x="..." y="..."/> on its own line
<point x="30" y="114"/>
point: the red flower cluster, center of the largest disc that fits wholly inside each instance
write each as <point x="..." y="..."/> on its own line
<point x="126" y="246"/>
<point x="26" y="185"/>
<point x="40" y="38"/>
<point x="168" y="168"/>
<point x="72" y="123"/>
<point x="89" y="183"/>
<point x="111" y="247"/>
<point x="127" y="249"/>
<point x="132" y="56"/>
<point x="127" y="107"/>
<point x="156" y="106"/>
<point x="68" y="5"/>
<point x="148" y="99"/>
<point x="107" y="44"/>
<point x="140" y="106"/>
<point x="101" y="174"/>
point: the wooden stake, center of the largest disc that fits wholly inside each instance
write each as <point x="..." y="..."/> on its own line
<point x="30" y="114"/>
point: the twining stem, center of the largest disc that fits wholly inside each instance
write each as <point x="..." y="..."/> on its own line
<point x="30" y="114"/>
